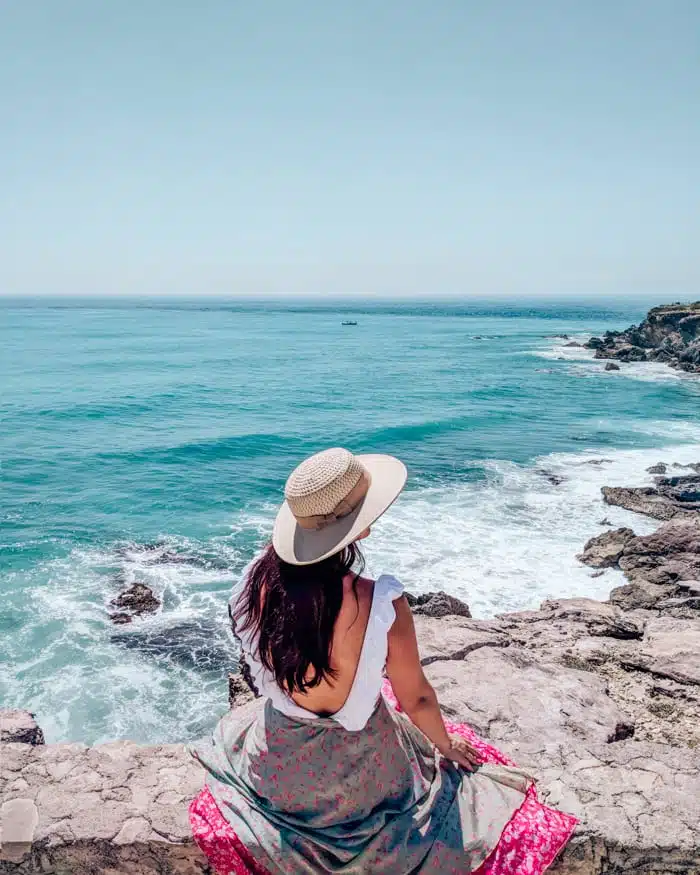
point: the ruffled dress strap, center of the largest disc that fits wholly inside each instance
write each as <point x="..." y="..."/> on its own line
<point x="369" y="676"/>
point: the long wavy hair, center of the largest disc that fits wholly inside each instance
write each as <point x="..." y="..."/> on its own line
<point x="291" y="611"/>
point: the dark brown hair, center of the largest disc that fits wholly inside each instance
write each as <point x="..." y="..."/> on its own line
<point x="291" y="611"/>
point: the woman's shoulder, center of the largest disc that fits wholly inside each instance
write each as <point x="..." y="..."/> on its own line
<point x="385" y="586"/>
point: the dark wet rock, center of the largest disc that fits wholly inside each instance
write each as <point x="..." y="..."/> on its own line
<point x="597" y="574"/>
<point x="624" y="353"/>
<point x="121" y="619"/>
<point x="604" y="550"/>
<point x="163" y="553"/>
<point x="594" y="343"/>
<point x="573" y="343"/>
<point x="597" y="462"/>
<point x="202" y="646"/>
<point x="124" y="550"/>
<point x="554" y="479"/>
<point x="137" y="599"/>
<point x="172" y="557"/>
<point x="671" y="497"/>
<point x="19" y="727"/>
<point x="622" y="730"/>
<point x="437" y="604"/>
<point x="658" y="468"/>
<point x="611" y="366"/>
<point x="693" y="466"/>
<point x="239" y="692"/>
<point x="670" y="334"/>
<point x="604" y="522"/>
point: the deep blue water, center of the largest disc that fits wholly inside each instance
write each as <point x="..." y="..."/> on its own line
<point x="150" y="441"/>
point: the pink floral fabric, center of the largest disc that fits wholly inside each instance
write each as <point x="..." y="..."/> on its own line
<point x="528" y="845"/>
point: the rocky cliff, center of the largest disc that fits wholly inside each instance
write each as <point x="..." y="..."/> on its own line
<point x="600" y="700"/>
<point x="670" y="334"/>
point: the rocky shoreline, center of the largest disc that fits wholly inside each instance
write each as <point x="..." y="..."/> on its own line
<point x="670" y="334"/>
<point x="600" y="699"/>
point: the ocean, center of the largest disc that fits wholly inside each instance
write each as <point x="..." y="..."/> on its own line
<point x="150" y="440"/>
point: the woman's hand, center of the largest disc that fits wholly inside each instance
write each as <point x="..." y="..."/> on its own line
<point x="462" y="753"/>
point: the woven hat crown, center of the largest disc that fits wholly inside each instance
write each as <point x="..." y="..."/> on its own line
<point x="322" y="481"/>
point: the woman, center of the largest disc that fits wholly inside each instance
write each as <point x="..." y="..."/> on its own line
<point x="323" y="773"/>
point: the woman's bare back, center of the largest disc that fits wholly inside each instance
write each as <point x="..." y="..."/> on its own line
<point x="348" y="637"/>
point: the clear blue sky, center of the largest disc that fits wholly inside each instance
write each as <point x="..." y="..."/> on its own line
<point x="391" y="147"/>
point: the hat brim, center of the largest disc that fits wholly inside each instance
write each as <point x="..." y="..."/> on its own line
<point x="300" y="546"/>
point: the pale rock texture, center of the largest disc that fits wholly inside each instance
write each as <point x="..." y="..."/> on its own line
<point x="116" y="808"/>
<point x="16" y="725"/>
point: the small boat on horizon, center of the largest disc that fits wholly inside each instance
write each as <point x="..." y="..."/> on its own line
<point x="348" y="322"/>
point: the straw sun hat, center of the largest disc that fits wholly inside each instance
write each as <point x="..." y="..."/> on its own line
<point x="331" y="498"/>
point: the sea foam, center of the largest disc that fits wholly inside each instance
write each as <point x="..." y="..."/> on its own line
<point x="504" y="542"/>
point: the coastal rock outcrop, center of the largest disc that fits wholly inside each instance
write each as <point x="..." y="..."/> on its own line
<point x="670" y="334"/>
<point x="600" y="700"/>
<point x="19" y="726"/>
<point x="134" y="601"/>
<point x="669" y="555"/>
<point x="658" y="468"/>
<point x="604" y="551"/>
<point x="670" y="497"/>
<point x="438" y="604"/>
<point x="68" y="809"/>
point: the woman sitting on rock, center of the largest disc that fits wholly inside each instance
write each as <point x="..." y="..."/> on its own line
<point x="323" y="773"/>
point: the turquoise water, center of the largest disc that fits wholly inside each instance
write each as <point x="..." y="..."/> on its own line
<point x="151" y="441"/>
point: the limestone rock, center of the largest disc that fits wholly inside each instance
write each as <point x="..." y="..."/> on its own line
<point x="561" y="622"/>
<point x="115" y="808"/>
<point x="511" y="695"/>
<point x="132" y="602"/>
<point x="454" y="637"/>
<point x="605" y="550"/>
<point x="19" y="726"/>
<point x="18" y="820"/>
<point x="437" y="604"/>
<point x="670" y="649"/>
<point x="671" y="497"/>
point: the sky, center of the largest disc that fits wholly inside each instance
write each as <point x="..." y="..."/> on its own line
<point x="427" y="148"/>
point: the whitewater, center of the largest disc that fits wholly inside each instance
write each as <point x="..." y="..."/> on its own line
<point x="149" y="442"/>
